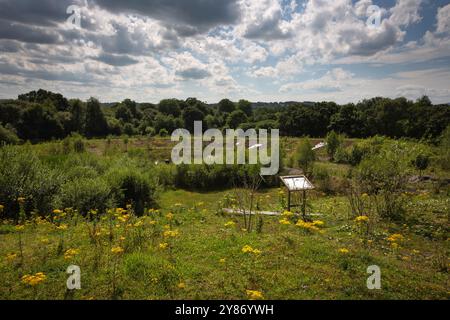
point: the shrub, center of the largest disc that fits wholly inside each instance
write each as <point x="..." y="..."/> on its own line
<point x="334" y="141"/>
<point x="130" y="186"/>
<point x="384" y="176"/>
<point x="356" y="155"/>
<point x="163" y="133"/>
<point x="341" y="155"/>
<point x="421" y="162"/>
<point x="23" y="175"/>
<point x="7" y="136"/>
<point x="84" y="194"/>
<point x="322" y="179"/>
<point x="306" y="156"/>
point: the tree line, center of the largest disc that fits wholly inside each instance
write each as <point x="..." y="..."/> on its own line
<point x="42" y="115"/>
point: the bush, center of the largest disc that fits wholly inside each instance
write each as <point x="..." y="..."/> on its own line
<point x="7" y="136"/>
<point x="163" y="133"/>
<point x="130" y="186"/>
<point x="334" y="142"/>
<point x="421" y="162"/>
<point x="384" y="176"/>
<point x="23" y="175"/>
<point x="322" y="179"/>
<point x="341" y="155"/>
<point x="306" y="157"/>
<point x="84" y="195"/>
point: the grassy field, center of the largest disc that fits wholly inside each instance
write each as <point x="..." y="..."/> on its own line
<point x="187" y="248"/>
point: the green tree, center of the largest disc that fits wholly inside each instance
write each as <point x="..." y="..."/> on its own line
<point x="306" y="156"/>
<point x="246" y="107"/>
<point x="226" y="106"/>
<point x="190" y="115"/>
<point x="333" y="141"/>
<point x="96" y="124"/>
<point x="236" y="118"/>
<point x="421" y="163"/>
<point x="170" y="107"/>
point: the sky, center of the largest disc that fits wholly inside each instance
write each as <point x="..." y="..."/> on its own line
<point x="260" y="50"/>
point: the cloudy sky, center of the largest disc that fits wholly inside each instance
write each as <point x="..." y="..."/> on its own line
<point x="262" y="50"/>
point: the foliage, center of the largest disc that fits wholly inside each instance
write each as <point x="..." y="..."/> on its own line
<point x="334" y="141"/>
<point x="84" y="194"/>
<point x="22" y="175"/>
<point x="305" y="156"/>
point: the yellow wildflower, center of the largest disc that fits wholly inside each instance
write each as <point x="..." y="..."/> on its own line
<point x="307" y="225"/>
<point x="117" y="250"/>
<point x="255" y="295"/>
<point x="249" y="249"/>
<point x="169" y="216"/>
<point x="181" y="285"/>
<point x="20" y="227"/>
<point x="70" y="253"/>
<point x="10" y="257"/>
<point x="285" y="221"/>
<point x="287" y="214"/>
<point x="163" y="246"/>
<point x="34" y="280"/>
<point x="395" y="238"/>
<point x="344" y="251"/>
<point x="62" y="227"/>
<point x="57" y="212"/>
<point x="222" y="261"/>
<point x="318" y="223"/>
<point x="230" y="224"/>
<point x="170" y="234"/>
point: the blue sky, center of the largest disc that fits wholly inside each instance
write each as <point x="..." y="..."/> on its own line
<point x="261" y="50"/>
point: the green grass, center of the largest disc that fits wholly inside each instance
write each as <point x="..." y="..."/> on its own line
<point x="293" y="264"/>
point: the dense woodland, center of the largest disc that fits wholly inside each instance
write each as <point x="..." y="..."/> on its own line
<point x="42" y="115"/>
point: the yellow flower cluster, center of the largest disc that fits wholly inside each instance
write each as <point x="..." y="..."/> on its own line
<point x="62" y="227"/>
<point x="169" y="216"/>
<point x="10" y="257"/>
<point x="69" y="254"/>
<point x="311" y="226"/>
<point x="171" y="233"/>
<point x="20" y="227"/>
<point x="344" y="251"/>
<point x="34" y="280"/>
<point x="285" y="221"/>
<point x="395" y="238"/>
<point x="163" y="246"/>
<point x="230" y="224"/>
<point x="124" y="218"/>
<point x="287" y="214"/>
<point x="255" y="295"/>
<point x="249" y="249"/>
<point x="117" y="250"/>
<point x="153" y="211"/>
<point x="362" y="219"/>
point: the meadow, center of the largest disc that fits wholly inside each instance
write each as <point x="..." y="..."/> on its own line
<point x="141" y="228"/>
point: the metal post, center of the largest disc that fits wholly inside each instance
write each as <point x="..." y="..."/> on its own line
<point x="289" y="201"/>
<point x="304" y="204"/>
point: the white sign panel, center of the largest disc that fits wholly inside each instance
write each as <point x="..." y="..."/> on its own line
<point x="297" y="183"/>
